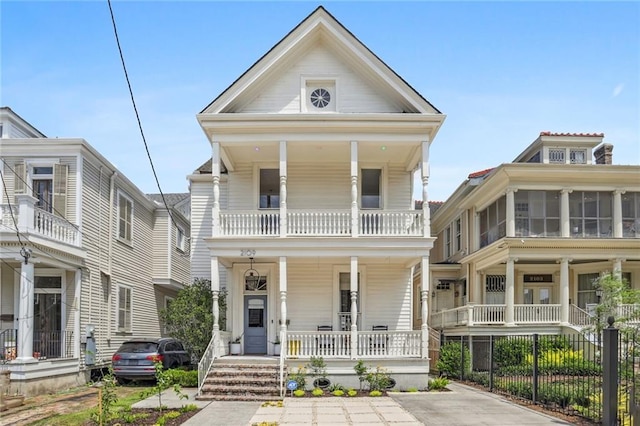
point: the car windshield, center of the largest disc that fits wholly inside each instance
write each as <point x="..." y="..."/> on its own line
<point x="133" y="347"/>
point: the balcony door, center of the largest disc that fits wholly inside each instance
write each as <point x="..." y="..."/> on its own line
<point x="537" y="295"/>
<point x="47" y="313"/>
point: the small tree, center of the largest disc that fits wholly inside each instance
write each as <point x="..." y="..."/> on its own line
<point x="189" y="317"/>
<point x="615" y="291"/>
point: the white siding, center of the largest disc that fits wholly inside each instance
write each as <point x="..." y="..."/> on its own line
<point x="180" y="259"/>
<point x="398" y="195"/>
<point x="201" y="205"/>
<point x="310" y="296"/>
<point x="161" y="245"/>
<point x="319" y="186"/>
<point x="242" y="195"/>
<point x="388" y="297"/>
<point x="354" y="94"/>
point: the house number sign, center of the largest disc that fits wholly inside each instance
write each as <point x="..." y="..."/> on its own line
<point x="247" y="252"/>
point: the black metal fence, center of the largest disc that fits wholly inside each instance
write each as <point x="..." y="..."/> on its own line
<point x="564" y="373"/>
<point x="46" y="345"/>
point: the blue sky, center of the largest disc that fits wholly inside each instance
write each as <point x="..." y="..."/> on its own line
<point x="501" y="71"/>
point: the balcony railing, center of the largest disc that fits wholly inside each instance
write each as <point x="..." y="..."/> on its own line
<point x="321" y="223"/>
<point x="46" y="344"/>
<point x="470" y="315"/>
<point x="33" y="220"/>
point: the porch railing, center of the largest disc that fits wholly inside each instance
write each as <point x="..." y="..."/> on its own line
<point x="488" y="314"/>
<point x="8" y="344"/>
<point x="495" y="315"/>
<point x="327" y="344"/>
<point x="395" y="344"/>
<point x="243" y="223"/>
<point x="578" y="316"/>
<point x="630" y="312"/>
<point x="53" y="344"/>
<point x="534" y="314"/>
<point x="211" y="353"/>
<point x="41" y="223"/>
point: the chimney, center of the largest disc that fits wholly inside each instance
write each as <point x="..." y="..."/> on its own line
<point x="604" y="154"/>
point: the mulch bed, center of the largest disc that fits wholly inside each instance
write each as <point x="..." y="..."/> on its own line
<point x="151" y="417"/>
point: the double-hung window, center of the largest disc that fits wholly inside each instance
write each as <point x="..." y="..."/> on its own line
<point x="180" y="239"/>
<point x="125" y="217"/>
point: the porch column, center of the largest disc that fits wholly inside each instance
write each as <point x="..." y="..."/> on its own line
<point x="283" y="302"/>
<point x="617" y="213"/>
<point x="476" y="230"/>
<point x="25" y="312"/>
<point x="354" y="190"/>
<point x="509" y="295"/>
<point x="616" y="269"/>
<point x="283" y="189"/>
<point x="353" y="286"/>
<point x="215" y="173"/>
<point x="76" y="313"/>
<point x="26" y="205"/>
<point x="511" y="212"/>
<point x="477" y="288"/>
<point x="565" y="225"/>
<point x="424" y="170"/>
<point x="424" y="299"/>
<point x="564" y="290"/>
<point x="215" y="295"/>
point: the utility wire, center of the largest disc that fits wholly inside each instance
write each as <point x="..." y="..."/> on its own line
<point x="135" y="108"/>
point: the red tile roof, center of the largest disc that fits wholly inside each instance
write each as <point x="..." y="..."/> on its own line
<point x="480" y="173"/>
<point x="548" y="133"/>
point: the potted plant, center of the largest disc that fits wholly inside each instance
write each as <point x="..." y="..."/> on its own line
<point x="235" y="347"/>
<point x="319" y="371"/>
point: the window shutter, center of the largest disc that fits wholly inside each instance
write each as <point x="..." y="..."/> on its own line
<point x="20" y="178"/>
<point x="60" y="172"/>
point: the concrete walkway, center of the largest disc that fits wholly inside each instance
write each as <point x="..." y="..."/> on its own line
<point x="461" y="406"/>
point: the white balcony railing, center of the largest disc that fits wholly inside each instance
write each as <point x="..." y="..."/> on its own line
<point x="470" y="315"/>
<point x="535" y="314"/>
<point x="33" y="220"/>
<point x="247" y="223"/>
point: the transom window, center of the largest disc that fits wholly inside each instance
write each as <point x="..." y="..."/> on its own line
<point x="125" y="217"/>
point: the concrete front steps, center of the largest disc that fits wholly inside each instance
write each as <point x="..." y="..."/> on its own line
<point x="240" y="378"/>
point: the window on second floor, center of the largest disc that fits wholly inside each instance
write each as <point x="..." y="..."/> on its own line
<point x="537" y="213"/>
<point x="46" y="181"/>
<point x="180" y="239"/>
<point x="493" y="222"/>
<point x="631" y="214"/>
<point x="125" y="217"/>
<point x="578" y="156"/>
<point x="447" y="242"/>
<point x="371" y="185"/>
<point x="556" y="155"/>
<point x="458" y="230"/>
<point x="590" y="214"/>
<point x="269" y="189"/>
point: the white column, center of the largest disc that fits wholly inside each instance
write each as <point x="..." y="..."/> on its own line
<point x="617" y="213"/>
<point x="476" y="230"/>
<point x="509" y="295"/>
<point x="424" y="170"/>
<point x="564" y="290"/>
<point x="353" y="286"/>
<point x="424" y="299"/>
<point x="565" y="224"/>
<point x="617" y="268"/>
<point x="511" y="212"/>
<point x="354" y="189"/>
<point x="283" y="302"/>
<point x="76" y="313"/>
<point x="215" y="294"/>
<point x="283" y="189"/>
<point x="26" y="205"/>
<point x="25" y="313"/>
<point x="215" y="173"/>
<point x="478" y="288"/>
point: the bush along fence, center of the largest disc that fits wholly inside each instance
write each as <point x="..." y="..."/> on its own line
<point x="580" y="375"/>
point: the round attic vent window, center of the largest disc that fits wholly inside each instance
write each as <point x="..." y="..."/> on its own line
<point x="320" y="98"/>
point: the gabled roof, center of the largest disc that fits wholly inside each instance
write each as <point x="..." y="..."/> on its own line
<point x="172" y="199"/>
<point x="320" y="23"/>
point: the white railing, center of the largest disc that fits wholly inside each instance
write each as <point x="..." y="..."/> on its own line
<point x="535" y="314"/>
<point x="250" y="222"/>
<point x="319" y="222"/>
<point x="578" y="316"/>
<point x="327" y="344"/>
<point x="391" y="223"/>
<point x="213" y="351"/>
<point x="394" y="344"/>
<point x="56" y="228"/>
<point x="344" y="319"/>
<point x="488" y="314"/>
<point x="631" y="313"/>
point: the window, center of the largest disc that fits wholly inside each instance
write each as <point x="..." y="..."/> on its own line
<point x="537" y="213"/>
<point x="125" y="217"/>
<point x="578" y="156"/>
<point x="319" y="95"/>
<point x="493" y="222"/>
<point x="180" y="239"/>
<point x="556" y="155"/>
<point x="590" y="214"/>
<point x="458" y="228"/>
<point x="631" y="214"/>
<point x="42" y="184"/>
<point x="587" y="290"/>
<point x="345" y="292"/>
<point x="370" y="187"/>
<point x="269" y="188"/>
<point x="495" y="287"/>
<point x="124" y="308"/>
<point x="447" y="242"/>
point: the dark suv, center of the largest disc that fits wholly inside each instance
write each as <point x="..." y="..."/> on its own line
<point x="135" y="359"/>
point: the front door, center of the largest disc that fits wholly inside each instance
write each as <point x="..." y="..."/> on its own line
<point x="535" y="295"/>
<point x="255" y="325"/>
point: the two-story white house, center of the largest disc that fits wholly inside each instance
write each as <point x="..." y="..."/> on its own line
<point x="519" y="246"/>
<point x="87" y="259"/>
<point x="305" y="213"/>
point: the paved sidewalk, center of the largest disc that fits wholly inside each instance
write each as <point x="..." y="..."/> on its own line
<point x="463" y="405"/>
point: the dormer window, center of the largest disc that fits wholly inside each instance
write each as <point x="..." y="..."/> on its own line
<point x="556" y="155"/>
<point x="578" y="156"/>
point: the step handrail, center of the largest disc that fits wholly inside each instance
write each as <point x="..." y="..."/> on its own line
<point x="283" y="348"/>
<point x="206" y="362"/>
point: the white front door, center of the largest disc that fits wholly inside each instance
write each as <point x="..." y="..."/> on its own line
<point x="537" y="295"/>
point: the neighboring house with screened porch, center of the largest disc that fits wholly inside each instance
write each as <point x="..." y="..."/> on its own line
<point x="519" y="246"/>
<point x="305" y="215"/>
<point x="87" y="259"/>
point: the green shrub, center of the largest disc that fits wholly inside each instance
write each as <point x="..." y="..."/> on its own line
<point x="375" y="393"/>
<point x="299" y="392"/>
<point x="438" y="384"/>
<point x="449" y="363"/>
<point x="519" y="389"/>
<point x="184" y="378"/>
<point x="300" y="377"/>
<point x="317" y="392"/>
<point x="338" y="392"/>
<point x="336" y="386"/>
<point x="378" y="379"/>
<point x="412" y="390"/>
<point x="352" y="392"/>
<point x="480" y="377"/>
<point x="511" y="351"/>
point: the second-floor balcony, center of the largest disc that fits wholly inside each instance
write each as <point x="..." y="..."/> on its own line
<point x="31" y="220"/>
<point x="329" y="223"/>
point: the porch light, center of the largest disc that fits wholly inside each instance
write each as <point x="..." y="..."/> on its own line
<point x="599" y="293"/>
<point x="251" y="276"/>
